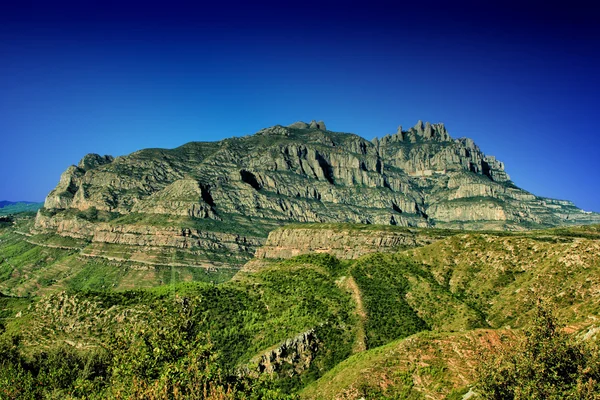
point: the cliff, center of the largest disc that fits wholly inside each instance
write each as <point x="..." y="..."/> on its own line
<point x="246" y="186"/>
<point x="344" y="241"/>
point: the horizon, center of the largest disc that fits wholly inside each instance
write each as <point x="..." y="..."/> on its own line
<point x="114" y="78"/>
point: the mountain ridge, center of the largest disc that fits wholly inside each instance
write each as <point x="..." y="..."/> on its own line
<point x="248" y="185"/>
<point x="4" y="203"/>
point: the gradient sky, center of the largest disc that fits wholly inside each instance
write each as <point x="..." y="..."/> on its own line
<point x="111" y="77"/>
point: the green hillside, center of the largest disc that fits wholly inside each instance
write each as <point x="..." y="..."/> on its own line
<point x="9" y="208"/>
<point x="406" y="324"/>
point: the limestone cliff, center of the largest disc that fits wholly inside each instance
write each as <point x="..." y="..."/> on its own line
<point x="248" y="185"/>
<point x="344" y="241"/>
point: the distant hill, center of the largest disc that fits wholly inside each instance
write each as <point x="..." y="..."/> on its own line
<point x="7" y="203"/>
<point x="15" y="207"/>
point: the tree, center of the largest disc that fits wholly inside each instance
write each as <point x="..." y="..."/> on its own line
<point x="545" y="364"/>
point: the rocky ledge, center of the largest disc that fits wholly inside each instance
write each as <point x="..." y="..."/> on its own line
<point x="342" y="241"/>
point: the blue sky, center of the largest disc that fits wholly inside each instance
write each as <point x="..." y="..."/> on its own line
<point x="520" y="78"/>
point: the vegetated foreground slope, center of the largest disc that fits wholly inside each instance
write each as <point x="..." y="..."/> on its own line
<point x="44" y="263"/>
<point x="322" y="326"/>
<point x="205" y="200"/>
<point x="497" y="276"/>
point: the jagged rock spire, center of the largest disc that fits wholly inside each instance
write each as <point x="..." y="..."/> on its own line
<point x="428" y="132"/>
<point x="419" y="127"/>
<point x="313" y="125"/>
<point x="317" y="125"/>
<point x="299" y="125"/>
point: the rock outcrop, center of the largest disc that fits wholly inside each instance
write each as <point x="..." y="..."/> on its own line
<point x="420" y="177"/>
<point x="342" y="241"/>
<point x="297" y="353"/>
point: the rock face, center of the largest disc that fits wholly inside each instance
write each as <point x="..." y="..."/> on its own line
<point x="297" y="352"/>
<point x="300" y="173"/>
<point x="344" y="242"/>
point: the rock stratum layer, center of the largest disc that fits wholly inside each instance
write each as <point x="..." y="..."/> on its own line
<point x="213" y="198"/>
<point x="344" y="241"/>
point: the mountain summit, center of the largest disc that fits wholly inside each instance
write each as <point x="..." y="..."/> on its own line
<point x="225" y="196"/>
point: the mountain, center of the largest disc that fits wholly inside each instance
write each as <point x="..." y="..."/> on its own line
<point x="4" y="203"/>
<point x="205" y="200"/>
<point x="15" y="207"/>
<point x="293" y="263"/>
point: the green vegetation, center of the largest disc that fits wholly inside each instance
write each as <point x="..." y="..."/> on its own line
<point x="331" y="264"/>
<point x="395" y="325"/>
<point x="546" y="364"/>
<point x="173" y="361"/>
<point x="20" y="261"/>
<point x="425" y="365"/>
<point x="171" y="329"/>
<point x="53" y="240"/>
<point x="384" y="288"/>
<point x="20" y="207"/>
<point x="94" y="215"/>
<point x="43" y="263"/>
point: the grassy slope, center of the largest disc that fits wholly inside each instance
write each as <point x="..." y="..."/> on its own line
<point x="497" y="277"/>
<point x="500" y="275"/>
<point x="402" y="298"/>
<point x="426" y="365"/>
<point x="30" y="269"/>
<point x="465" y="281"/>
<point x="44" y="263"/>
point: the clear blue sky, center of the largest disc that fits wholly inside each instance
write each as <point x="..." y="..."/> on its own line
<point x="111" y="77"/>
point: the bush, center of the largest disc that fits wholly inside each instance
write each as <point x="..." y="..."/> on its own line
<point x="91" y="214"/>
<point x="546" y="364"/>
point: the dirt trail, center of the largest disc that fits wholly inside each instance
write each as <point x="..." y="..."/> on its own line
<point x="350" y="284"/>
<point x="52" y="246"/>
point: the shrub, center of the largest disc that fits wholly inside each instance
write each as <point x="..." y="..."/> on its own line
<point x="545" y="364"/>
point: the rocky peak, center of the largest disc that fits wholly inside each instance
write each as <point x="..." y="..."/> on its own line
<point x="429" y="131"/>
<point x="419" y="127"/>
<point x="302" y="173"/>
<point x="93" y="160"/>
<point x="419" y="133"/>
<point x="277" y="130"/>
<point x="299" y="125"/>
<point x="313" y="125"/>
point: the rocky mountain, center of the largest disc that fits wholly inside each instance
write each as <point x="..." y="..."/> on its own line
<point x="210" y="198"/>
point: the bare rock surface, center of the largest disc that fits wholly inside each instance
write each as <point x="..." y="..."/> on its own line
<point x="247" y="186"/>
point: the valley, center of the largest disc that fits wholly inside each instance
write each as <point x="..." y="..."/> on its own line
<point x="389" y="312"/>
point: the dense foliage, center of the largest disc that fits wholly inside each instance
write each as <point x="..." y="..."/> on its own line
<point x="188" y="340"/>
<point x="296" y="325"/>
<point x="173" y="361"/>
<point x="384" y="287"/>
<point x="546" y="365"/>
